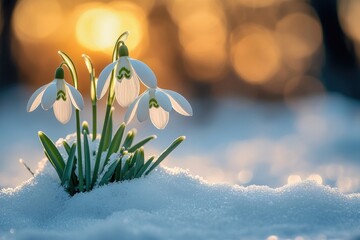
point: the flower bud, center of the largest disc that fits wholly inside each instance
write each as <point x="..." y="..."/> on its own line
<point x="123" y="50"/>
<point x="59" y="73"/>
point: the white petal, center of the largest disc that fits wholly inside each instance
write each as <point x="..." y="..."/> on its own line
<point x="163" y="100"/>
<point x="62" y="110"/>
<point x="179" y="103"/>
<point x="130" y="112"/>
<point x="75" y="96"/>
<point x="145" y="74"/>
<point x="127" y="90"/>
<point x="159" y="117"/>
<point x="49" y="96"/>
<point x="123" y="69"/>
<point x="143" y="108"/>
<point x="104" y="80"/>
<point x="35" y="99"/>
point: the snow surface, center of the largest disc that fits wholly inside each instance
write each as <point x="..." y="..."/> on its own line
<point x="171" y="204"/>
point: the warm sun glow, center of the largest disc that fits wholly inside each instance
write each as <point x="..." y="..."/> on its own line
<point x="255" y="55"/>
<point x="34" y="20"/>
<point x="99" y="25"/>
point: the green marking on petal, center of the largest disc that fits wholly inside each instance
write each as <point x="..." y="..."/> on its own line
<point x="61" y="94"/>
<point x="124" y="72"/>
<point x="153" y="103"/>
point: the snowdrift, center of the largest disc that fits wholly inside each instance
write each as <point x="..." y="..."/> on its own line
<point x="172" y="204"/>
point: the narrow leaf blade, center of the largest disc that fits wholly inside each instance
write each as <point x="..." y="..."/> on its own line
<point x="53" y="153"/>
<point x="141" y="143"/>
<point x="69" y="165"/>
<point x="87" y="162"/>
<point x="165" y="153"/>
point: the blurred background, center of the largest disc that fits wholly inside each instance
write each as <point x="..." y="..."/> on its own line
<point x="258" y="72"/>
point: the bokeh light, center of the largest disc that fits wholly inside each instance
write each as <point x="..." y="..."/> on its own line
<point x="34" y="20"/>
<point x="299" y="35"/>
<point x="257" y="3"/>
<point x="349" y="16"/>
<point x="316" y="178"/>
<point x="256" y="57"/>
<point x="202" y="35"/>
<point x="293" y="179"/>
<point x="99" y="25"/>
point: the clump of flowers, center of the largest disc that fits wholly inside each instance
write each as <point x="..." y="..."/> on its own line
<point x="94" y="160"/>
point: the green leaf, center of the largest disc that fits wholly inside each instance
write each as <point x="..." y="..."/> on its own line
<point x="69" y="165"/>
<point x="117" y="176"/>
<point x="87" y="162"/>
<point x="139" y="161"/>
<point x="69" y="63"/>
<point x="141" y="143"/>
<point x="67" y="147"/>
<point x="108" y="174"/>
<point x="129" y="139"/>
<point x="144" y="167"/>
<point x="108" y="135"/>
<point x="129" y="175"/>
<point x="73" y="175"/>
<point x="53" y="154"/>
<point x="115" y="143"/>
<point x="165" y="153"/>
<point x="125" y="168"/>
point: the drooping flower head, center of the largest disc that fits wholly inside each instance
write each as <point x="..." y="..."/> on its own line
<point x="156" y="103"/>
<point x="128" y="73"/>
<point x="58" y="94"/>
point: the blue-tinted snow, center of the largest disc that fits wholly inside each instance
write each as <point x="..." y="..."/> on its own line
<point x="171" y="204"/>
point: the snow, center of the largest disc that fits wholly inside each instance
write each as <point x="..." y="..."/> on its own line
<point x="268" y="171"/>
<point x="171" y="204"/>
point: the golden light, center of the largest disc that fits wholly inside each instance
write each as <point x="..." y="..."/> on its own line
<point x="255" y="56"/>
<point x="299" y="35"/>
<point x="34" y="20"/>
<point x="293" y="179"/>
<point x="180" y="9"/>
<point x="349" y="16"/>
<point x="202" y="34"/>
<point x="256" y="3"/>
<point x="99" y="25"/>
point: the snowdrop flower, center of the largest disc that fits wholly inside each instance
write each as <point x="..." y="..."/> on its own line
<point x="128" y="72"/>
<point x="58" y="94"/>
<point x="157" y="103"/>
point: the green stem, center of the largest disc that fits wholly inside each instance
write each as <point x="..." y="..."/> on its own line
<point x="70" y="65"/>
<point x="79" y="158"/>
<point x="94" y="120"/>
<point x="109" y="103"/>
<point x="101" y="144"/>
